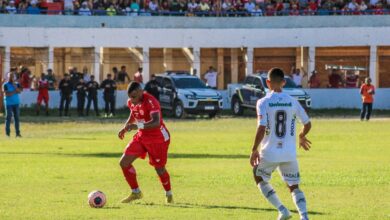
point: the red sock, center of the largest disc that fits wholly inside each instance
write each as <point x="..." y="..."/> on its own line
<point x="131" y="176"/>
<point x="165" y="181"/>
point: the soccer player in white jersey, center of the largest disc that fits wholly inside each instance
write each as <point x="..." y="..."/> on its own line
<point x="276" y="138"/>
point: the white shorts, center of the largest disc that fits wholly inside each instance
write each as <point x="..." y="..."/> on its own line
<point x="289" y="171"/>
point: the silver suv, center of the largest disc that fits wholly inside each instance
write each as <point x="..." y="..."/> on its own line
<point x="181" y="93"/>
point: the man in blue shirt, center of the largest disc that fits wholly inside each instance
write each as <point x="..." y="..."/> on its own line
<point x="11" y="90"/>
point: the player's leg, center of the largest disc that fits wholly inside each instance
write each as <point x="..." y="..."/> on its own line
<point x="262" y="175"/>
<point x="290" y="174"/>
<point x="62" y="103"/>
<point x="132" y="152"/>
<point x="158" y="156"/>
<point x="46" y="100"/>
<point x="95" y="106"/>
<point x="363" y="112"/>
<point x="106" y="107"/>
<point x="16" y="112"/>
<point x="67" y="103"/>
<point x="369" y="110"/>
<point x="113" y="105"/>
<point x="88" y="105"/>
<point x="8" y="118"/>
<point x="39" y="102"/>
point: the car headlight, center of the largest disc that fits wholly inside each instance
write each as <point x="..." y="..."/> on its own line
<point x="189" y="96"/>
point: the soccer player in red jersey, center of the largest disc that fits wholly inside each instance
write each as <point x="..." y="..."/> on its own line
<point x="152" y="138"/>
<point x="43" y="94"/>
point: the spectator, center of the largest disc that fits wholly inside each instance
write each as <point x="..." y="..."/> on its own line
<point x="270" y="11"/>
<point x="111" y="11"/>
<point x="84" y="10"/>
<point x="51" y="79"/>
<point x="109" y="87"/>
<point x="152" y="87"/>
<point x="10" y="8"/>
<point x="250" y="6"/>
<point x="92" y="88"/>
<point x="193" y="6"/>
<point x="66" y="89"/>
<point x="81" y="89"/>
<point x="138" y="76"/>
<point x="297" y="78"/>
<point x="227" y="7"/>
<point x="257" y="11"/>
<point x="294" y="10"/>
<point x="115" y="72"/>
<point x="74" y="76"/>
<point x="122" y="75"/>
<point x="86" y="76"/>
<point x="153" y="6"/>
<point x="314" y="81"/>
<point x="134" y="8"/>
<point x="68" y="7"/>
<point x="210" y="77"/>
<point x="182" y="6"/>
<point x="22" y="7"/>
<point x="33" y="9"/>
<point x="25" y="79"/>
<point x="204" y="7"/>
<point x="11" y="90"/>
<point x="367" y="91"/>
<point x="43" y="94"/>
<point x="334" y="79"/>
<point x="351" y="80"/>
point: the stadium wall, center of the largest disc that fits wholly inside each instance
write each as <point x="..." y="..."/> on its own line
<point x="321" y="99"/>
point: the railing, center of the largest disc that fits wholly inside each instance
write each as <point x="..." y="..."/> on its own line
<point x="319" y="12"/>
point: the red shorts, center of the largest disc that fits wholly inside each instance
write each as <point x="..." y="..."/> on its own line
<point x="158" y="152"/>
<point x="44" y="97"/>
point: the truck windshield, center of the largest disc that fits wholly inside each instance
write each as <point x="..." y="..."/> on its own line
<point x="189" y="83"/>
<point x="289" y="83"/>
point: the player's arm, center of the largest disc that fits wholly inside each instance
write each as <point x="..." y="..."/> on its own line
<point x="303" y="141"/>
<point x="127" y="127"/>
<point x="153" y="123"/>
<point x="255" y="158"/>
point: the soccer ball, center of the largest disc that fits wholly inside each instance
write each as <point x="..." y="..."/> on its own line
<point x="96" y="199"/>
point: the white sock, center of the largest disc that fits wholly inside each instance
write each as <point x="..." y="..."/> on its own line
<point x="270" y="194"/>
<point x="137" y="190"/>
<point x="168" y="193"/>
<point x="300" y="202"/>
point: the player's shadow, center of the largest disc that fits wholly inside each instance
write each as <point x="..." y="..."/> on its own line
<point x="189" y="205"/>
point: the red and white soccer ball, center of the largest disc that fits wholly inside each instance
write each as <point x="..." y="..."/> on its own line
<point x="96" y="199"/>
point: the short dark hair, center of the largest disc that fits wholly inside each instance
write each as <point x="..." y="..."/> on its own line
<point x="133" y="86"/>
<point x="275" y="75"/>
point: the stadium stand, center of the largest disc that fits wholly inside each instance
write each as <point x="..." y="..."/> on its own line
<point x="230" y="8"/>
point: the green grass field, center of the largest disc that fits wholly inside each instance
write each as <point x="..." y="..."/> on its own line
<point x="50" y="171"/>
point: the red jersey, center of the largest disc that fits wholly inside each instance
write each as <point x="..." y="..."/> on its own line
<point x="367" y="92"/>
<point x="142" y="113"/>
<point x="43" y="86"/>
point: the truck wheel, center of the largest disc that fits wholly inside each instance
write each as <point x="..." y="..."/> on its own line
<point x="178" y="110"/>
<point x="237" y="107"/>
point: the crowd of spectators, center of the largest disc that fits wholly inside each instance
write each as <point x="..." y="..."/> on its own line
<point x="198" y="7"/>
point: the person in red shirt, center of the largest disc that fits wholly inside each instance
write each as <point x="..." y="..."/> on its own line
<point x="43" y="94"/>
<point x="314" y="81"/>
<point x="351" y="80"/>
<point x="335" y="80"/>
<point x="152" y="138"/>
<point x="367" y="91"/>
<point x="25" y="79"/>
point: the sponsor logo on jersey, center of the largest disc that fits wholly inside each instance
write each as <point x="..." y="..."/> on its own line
<point x="280" y="104"/>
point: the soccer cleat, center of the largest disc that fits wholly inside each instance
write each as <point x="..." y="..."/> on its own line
<point x="304" y="216"/>
<point x="133" y="196"/>
<point x="284" y="214"/>
<point x="169" y="199"/>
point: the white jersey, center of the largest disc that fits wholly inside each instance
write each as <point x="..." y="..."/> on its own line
<point x="278" y="112"/>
